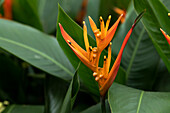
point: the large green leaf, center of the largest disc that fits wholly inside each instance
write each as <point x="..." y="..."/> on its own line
<point x="36" y="48"/>
<point x="49" y="11"/>
<point x="27" y="12"/>
<point x="10" y="69"/>
<point x="123" y="99"/>
<point x="138" y="55"/>
<point x="154" y="19"/>
<point x="76" y="33"/>
<point x="59" y="98"/>
<point x="55" y="92"/>
<point x="24" y="109"/>
<point x="71" y="94"/>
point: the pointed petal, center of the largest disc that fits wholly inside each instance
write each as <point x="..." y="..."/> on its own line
<point x="107" y="24"/>
<point x="115" y="68"/>
<point x="94" y="29"/>
<point x="86" y="41"/>
<point x="92" y="24"/>
<point x="103" y="43"/>
<point x="67" y="37"/>
<point x="166" y="36"/>
<point x="81" y="57"/>
<point x="118" y="10"/>
<point x="109" y="58"/>
<point x="102" y="28"/>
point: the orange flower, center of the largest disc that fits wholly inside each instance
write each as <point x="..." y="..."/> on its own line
<point x="166" y="36"/>
<point x="7" y="6"/>
<point x="120" y="11"/>
<point x="91" y="56"/>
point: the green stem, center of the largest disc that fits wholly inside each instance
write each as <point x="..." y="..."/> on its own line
<point x="103" y="106"/>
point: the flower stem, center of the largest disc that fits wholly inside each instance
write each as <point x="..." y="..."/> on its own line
<point x="103" y="106"/>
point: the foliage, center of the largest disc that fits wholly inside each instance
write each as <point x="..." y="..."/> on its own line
<point x="40" y="73"/>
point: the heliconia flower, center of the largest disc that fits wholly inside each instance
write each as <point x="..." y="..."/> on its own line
<point x="166" y="36"/>
<point x="91" y="56"/>
<point x="7" y="7"/>
<point x="120" y="11"/>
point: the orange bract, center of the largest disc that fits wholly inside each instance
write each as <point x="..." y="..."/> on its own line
<point x="166" y="36"/>
<point x="91" y="56"/>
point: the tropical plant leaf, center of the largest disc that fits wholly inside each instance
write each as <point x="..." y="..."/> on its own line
<point x="27" y="12"/>
<point x="97" y="108"/>
<point x="55" y="92"/>
<point x="154" y="19"/>
<point x="36" y="48"/>
<point x="137" y="101"/>
<point x="24" y="109"/>
<point x="138" y="60"/>
<point x="71" y="94"/>
<point x="76" y="33"/>
<point x="1" y="2"/>
<point x="49" y="11"/>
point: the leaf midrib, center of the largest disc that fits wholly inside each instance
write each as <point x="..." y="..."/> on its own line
<point x="140" y="101"/>
<point x="135" y="51"/>
<point x="38" y="52"/>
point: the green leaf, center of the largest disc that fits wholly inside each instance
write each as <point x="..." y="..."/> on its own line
<point x="27" y="12"/>
<point x="154" y="19"/>
<point x="136" y="59"/>
<point x="55" y="92"/>
<point x="36" y="48"/>
<point x="1" y="2"/>
<point x="76" y="33"/>
<point x="123" y="99"/>
<point x="24" y="109"/>
<point x="97" y="108"/>
<point x="49" y="11"/>
<point x="11" y="73"/>
<point x="71" y="94"/>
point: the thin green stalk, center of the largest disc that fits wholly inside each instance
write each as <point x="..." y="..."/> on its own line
<point x="103" y="106"/>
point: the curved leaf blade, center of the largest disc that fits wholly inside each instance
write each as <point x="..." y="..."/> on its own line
<point x="38" y="49"/>
<point x="137" y="101"/>
<point x="138" y="60"/>
<point x="154" y="19"/>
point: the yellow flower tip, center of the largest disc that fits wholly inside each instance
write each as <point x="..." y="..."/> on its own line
<point x="94" y="74"/>
<point x="90" y="48"/>
<point x="169" y="14"/>
<point x="97" y="79"/>
<point x="110" y="44"/>
<point x="105" y="58"/>
<point x="100" y="19"/>
<point x="100" y="76"/>
<point x="83" y="22"/>
<point x="109" y="17"/>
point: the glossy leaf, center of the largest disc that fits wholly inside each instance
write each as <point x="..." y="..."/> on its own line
<point x="154" y="19"/>
<point x="138" y="60"/>
<point x="24" y="109"/>
<point x="55" y="92"/>
<point x="123" y="99"/>
<point x="36" y="48"/>
<point x="71" y="94"/>
<point x="27" y="12"/>
<point x="49" y="11"/>
<point x="76" y="33"/>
